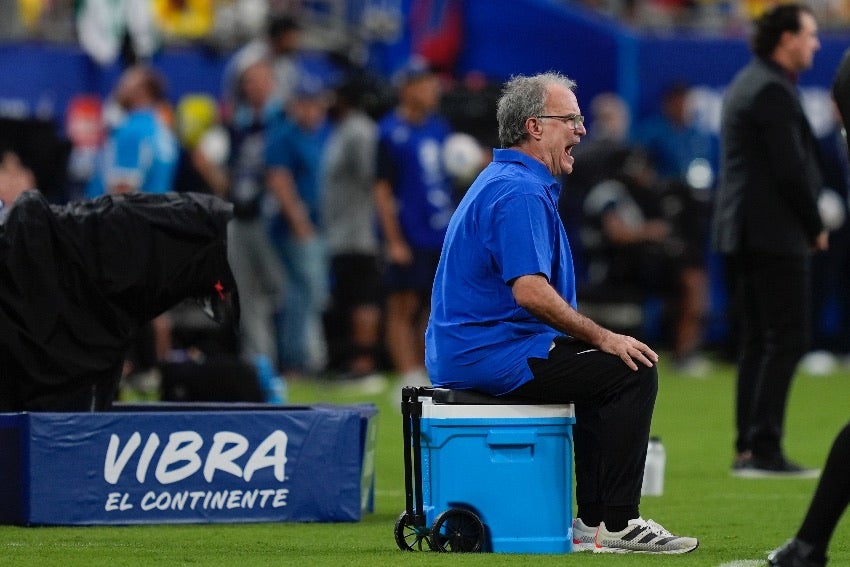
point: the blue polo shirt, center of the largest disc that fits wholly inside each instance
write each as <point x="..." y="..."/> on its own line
<point x="300" y="151"/>
<point x="142" y="152"/>
<point x="409" y="158"/>
<point x="506" y="226"/>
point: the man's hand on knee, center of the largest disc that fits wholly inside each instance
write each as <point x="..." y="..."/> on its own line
<point x="629" y="349"/>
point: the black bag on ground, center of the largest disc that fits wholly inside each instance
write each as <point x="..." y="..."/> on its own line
<point x="219" y="379"/>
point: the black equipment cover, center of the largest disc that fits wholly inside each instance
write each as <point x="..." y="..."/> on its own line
<point x="77" y="281"/>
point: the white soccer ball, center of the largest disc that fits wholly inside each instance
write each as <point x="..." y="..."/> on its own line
<point x="831" y="207"/>
<point x="463" y="156"/>
<point x="699" y="174"/>
<point x="215" y="145"/>
<point x="819" y="363"/>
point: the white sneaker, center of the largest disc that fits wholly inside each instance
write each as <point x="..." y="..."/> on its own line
<point x="642" y="536"/>
<point x="584" y="537"/>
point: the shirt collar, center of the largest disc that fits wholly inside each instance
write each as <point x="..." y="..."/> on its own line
<point x="793" y="77"/>
<point x="533" y="165"/>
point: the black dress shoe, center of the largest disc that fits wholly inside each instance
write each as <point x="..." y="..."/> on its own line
<point x="795" y="553"/>
<point x="778" y="467"/>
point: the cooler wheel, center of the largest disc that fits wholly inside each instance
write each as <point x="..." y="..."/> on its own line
<point x="458" y="531"/>
<point x="410" y="537"/>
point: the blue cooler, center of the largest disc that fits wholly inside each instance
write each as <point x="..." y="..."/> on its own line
<point x="511" y="465"/>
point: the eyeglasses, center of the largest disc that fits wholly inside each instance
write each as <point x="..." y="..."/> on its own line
<point x="571" y="120"/>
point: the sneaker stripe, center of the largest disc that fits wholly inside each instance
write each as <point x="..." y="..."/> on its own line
<point x="642" y="537"/>
<point x="633" y="534"/>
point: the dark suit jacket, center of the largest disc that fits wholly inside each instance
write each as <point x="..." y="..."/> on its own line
<point x="770" y="172"/>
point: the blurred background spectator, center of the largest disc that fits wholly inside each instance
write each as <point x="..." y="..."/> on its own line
<point x="679" y="150"/>
<point x="353" y="321"/>
<point x="140" y="152"/>
<point x="293" y="159"/>
<point x="599" y="155"/>
<point x="280" y="46"/>
<point x="255" y="263"/>
<point x="641" y="236"/>
<point x="685" y="157"/>
<point x="643" y="241"/>
<point x="414" y="200"/>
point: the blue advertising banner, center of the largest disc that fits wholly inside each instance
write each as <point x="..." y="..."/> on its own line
<point x="304" y="464"/>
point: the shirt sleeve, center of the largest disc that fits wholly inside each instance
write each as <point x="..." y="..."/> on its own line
<point x="386" y="165"/>
<point x="127" y="156"/>
<point x="279" y="152"/>
<point x="522" y="236"/>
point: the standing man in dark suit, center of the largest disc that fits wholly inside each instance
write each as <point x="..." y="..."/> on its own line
<point x="766" y="223"/>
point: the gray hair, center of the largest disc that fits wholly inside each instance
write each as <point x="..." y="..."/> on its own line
<point x="523" y="97"/>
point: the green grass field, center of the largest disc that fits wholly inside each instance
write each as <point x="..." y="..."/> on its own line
<point x="737" y="520"/>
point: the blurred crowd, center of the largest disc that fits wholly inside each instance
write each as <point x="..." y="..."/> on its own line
<point x="724" y="17"/>
<point x="640" y="202"/>
<point x="106" y="27"/>
<point x="343" y="180"/>
<point x="342" y="183"/>
<point x="224" y="24"/>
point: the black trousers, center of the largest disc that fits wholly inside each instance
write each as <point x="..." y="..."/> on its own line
<point x="832" y="495"/>
<point x="770" y="296"/>
<point x="613" y="406"/>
